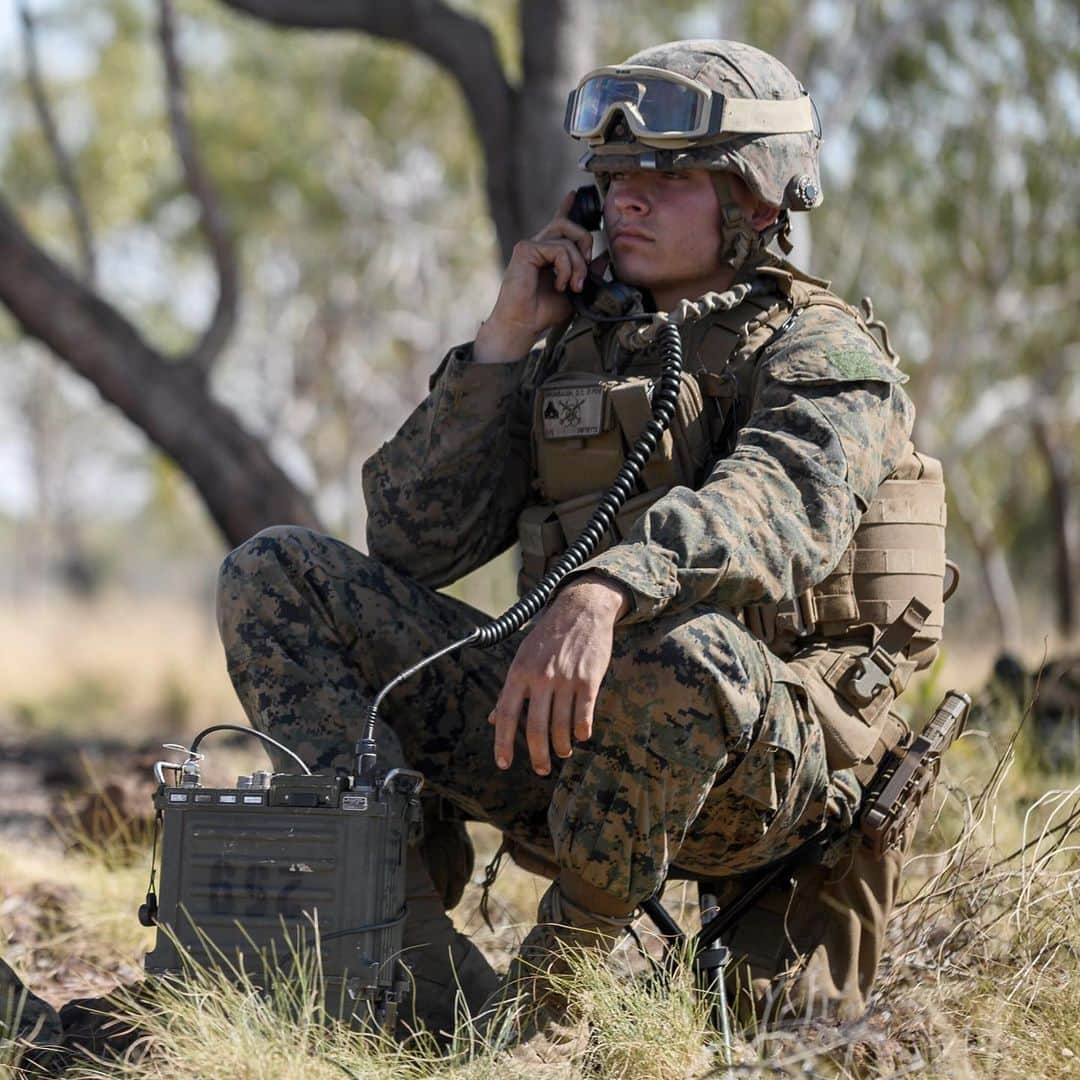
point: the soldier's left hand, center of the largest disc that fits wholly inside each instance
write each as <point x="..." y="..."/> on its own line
<point x="557" y="671"/>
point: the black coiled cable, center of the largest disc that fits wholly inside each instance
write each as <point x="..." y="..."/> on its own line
<point x="664" y="398"/>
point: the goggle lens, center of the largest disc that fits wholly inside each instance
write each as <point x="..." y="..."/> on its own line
<point x="662" y="106"/>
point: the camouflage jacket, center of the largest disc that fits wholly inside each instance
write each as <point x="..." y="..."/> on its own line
<point x="819" y="420"/>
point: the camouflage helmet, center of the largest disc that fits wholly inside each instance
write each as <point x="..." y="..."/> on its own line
<point x="717" y="105"/>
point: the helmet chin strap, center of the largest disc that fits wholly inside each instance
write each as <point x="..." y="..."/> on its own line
<point x="740" y="242"/>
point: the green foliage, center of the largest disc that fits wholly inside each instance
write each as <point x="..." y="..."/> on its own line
<point x="353" y="179"/>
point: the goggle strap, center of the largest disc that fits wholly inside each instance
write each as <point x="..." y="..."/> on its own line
<point x="749" y="116"/>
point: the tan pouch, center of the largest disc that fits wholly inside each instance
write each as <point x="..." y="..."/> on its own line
<point x="584" y="425"/>
<point x="631" y="402"/>
<point x="541" y="538"/>
<point x="576" y="442"/>
<point x="574" y="515"/>
<point x="850" y="734"/>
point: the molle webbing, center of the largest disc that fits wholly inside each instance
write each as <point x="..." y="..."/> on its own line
<point x="896" y="555"/>
<point x="608" y="388"/>
<point x="545" y="531"/>
<point x="597" y="379"/>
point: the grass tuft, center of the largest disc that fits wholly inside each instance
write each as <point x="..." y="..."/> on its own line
<point x="981" y="976"/>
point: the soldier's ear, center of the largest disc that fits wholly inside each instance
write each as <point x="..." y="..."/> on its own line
<point x="760" y="213"/>
<point x="764" y="215"/>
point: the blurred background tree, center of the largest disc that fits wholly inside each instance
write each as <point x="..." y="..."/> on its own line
<point x="326" y="205"/>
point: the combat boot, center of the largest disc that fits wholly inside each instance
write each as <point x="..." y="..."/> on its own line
<point x="451" y="979"/>
<point x="532" y="997"/>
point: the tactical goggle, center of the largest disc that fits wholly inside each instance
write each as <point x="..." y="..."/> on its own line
<point x="665" y="108"/>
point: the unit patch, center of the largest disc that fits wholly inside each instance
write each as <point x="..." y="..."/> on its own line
<point x="854" y="364"/>
<point x="573" y="412"/>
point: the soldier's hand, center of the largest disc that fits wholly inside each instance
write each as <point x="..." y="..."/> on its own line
<point x="557" y="671"/>
<point x="533" y="295"/>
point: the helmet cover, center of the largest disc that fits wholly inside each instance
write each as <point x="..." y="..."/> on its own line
<point x="781" y="169"/>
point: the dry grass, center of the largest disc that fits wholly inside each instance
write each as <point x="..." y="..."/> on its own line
<point x="982" y="977"/>
<point x="68" y="921"/>
<point x="985" y="968"/>
<point x="116" y="668"/>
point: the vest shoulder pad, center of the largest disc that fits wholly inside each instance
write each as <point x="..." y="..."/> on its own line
<point x="826" y="343"/>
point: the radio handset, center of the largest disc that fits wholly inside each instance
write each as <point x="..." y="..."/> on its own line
<point x="600" y="300"/>
<point x="587" y="209"/>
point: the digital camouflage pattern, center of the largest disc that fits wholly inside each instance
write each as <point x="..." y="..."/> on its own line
<point x="821" y="421"/>
<point x="817" y="420"/>
<point x="706" y="755"/>
<point x="728" y="777"/>
<point x="703" y="754"/>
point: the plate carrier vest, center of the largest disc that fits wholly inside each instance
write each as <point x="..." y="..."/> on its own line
<point x="856" y="637"/>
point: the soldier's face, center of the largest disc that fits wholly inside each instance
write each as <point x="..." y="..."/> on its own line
<point x="664" y="232"/>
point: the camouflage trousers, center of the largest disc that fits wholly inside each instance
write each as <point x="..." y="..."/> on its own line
<point x="703" y="754"/>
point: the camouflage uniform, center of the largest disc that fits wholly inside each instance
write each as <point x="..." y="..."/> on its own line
<point x="707" y="753"/>
<point x="704" y="754"/>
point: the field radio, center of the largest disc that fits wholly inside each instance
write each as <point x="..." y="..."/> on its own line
<point x="255" y="875"/>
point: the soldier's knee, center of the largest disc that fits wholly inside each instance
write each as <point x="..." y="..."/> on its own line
<point x="247" y="571"/>
<point x="280" y="549"/>
<point x="270" y="547"/>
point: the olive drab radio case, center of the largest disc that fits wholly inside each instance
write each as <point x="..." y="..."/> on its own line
<point x="253" y="878"/>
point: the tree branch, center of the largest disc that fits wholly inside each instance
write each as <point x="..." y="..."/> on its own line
<point x="212" y="219"/>
<point x="243" y="488"/>
<point x="68" y="181"/>
<point x="464" y="46"/>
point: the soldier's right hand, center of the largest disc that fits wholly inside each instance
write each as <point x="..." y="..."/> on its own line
<point x="533" y="295"/>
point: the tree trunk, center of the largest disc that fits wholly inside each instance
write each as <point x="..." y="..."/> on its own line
<point x="995" y="567"/>
<point x="1055" y="452"/>
<point x="244" y="490"/>
<point x="529" y="162"/>
<point x="558" y="47"/>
